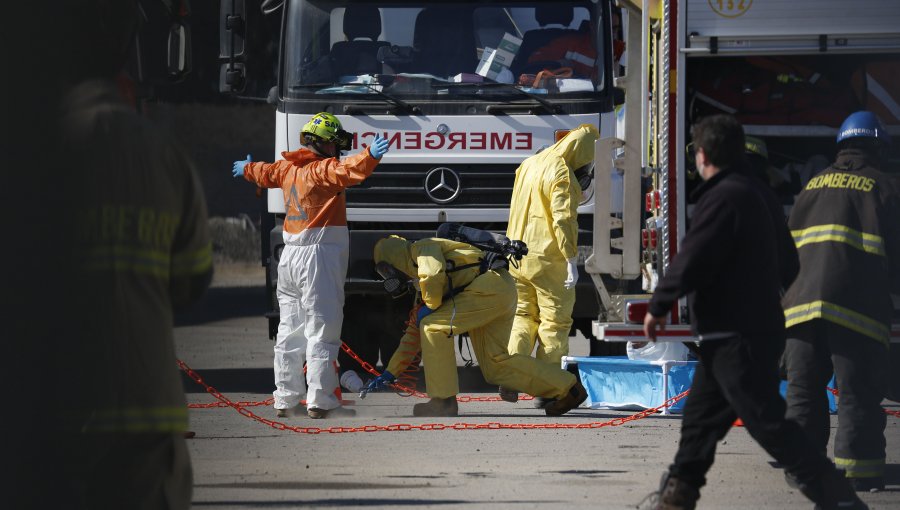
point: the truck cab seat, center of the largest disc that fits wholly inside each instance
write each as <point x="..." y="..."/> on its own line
<point x="444" y="42"/>
<point x="538" y="38"/>
<point x="358" y="54"/>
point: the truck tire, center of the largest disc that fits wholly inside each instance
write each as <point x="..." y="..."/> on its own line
<point x="373" y="326"/>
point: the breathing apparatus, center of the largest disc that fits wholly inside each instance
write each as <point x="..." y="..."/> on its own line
<point x="395" y="282"/>
<point x="499" y="250"/>
<point x="585" y="175"/>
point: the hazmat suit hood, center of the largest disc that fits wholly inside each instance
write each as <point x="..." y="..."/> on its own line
<point x="395" y="251"/>
<point x="577" y="147"/>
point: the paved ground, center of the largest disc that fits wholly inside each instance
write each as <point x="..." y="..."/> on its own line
<point x="242" y="463"/>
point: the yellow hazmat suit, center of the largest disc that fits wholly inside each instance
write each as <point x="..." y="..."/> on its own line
<point x="543" y="214"/>
<point x="484" y="308"/>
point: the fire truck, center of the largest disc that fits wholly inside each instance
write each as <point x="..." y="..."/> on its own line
<point x="420" y="74"/>
<point x="790" y="71"/>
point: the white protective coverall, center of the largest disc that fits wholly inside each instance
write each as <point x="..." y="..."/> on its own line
<point x="312" y="269"/>
<point x="484" y="309"/>
<point x="543" y="213"/>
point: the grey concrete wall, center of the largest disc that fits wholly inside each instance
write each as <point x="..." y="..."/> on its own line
<point x="215" y="135"/>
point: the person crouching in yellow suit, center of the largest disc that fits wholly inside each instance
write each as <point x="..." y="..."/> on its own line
<point x="544" y="214"/>
<point x="458" y="296"/>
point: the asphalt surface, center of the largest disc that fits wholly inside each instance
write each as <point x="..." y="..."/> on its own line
<point x="240" y="462"/>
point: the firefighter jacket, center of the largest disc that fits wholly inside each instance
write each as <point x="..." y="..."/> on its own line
<point x="846" y="224"/>
<point x="725" y="265"/>
<point x="137" y="230"/>
<point x="313" y="189"/>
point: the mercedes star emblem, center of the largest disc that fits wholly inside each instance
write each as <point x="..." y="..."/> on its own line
<point x="442" y="185"/>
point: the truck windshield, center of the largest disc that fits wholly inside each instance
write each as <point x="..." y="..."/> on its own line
<point x="407" y="50"/>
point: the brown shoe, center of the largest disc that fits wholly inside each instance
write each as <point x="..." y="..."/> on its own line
<point x="541" y="402"/>
<point x="576" y="395"/>
<point x="437" y="407"/>
<point x="338" y="412"/>
<point x="508" y="395"/>
<point x="677" y="495"/>
<point x="673" y="494"/>
<point x="281" y="413"/>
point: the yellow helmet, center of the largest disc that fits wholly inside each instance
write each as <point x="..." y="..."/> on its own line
<point x="326" y="127"/>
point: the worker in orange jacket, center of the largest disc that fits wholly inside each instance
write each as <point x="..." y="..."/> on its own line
<point x="313" y="265"/>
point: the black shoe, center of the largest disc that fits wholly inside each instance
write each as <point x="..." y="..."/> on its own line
<point x="338" y="412"/>
<point x="541" y="402"/>
<point x="437" y="407"/>
<point x="873" y="484"/>
<point x="832" y="492"/>
<point x="508" y="395"/>
<point x="576" y="395"/>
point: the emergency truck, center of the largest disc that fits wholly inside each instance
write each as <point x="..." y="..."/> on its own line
<point x="791" y="72"/>
<point x="409" y="70"/>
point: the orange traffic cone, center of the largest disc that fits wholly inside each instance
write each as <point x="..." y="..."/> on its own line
<point x="337" y="389"/>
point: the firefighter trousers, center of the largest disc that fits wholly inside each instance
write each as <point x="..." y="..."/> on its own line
<point x="814" y="350"/>
<point x="738" y="378"/>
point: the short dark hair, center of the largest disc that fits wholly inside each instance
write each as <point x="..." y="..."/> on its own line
<point x="721" y="137"/>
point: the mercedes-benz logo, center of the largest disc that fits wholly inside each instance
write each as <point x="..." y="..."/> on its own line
<point x="442" y="185"/>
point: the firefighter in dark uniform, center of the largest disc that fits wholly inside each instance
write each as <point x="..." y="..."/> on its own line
<point x="846" y="224"/>
<point x="725" y="267"/>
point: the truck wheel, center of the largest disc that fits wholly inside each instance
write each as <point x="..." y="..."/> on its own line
<point x="373" y="326"/>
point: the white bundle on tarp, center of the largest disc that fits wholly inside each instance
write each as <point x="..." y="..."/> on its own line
<point x="658" y="351"/>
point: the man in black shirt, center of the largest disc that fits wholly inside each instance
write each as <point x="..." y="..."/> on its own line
<point x="733" y="263"/>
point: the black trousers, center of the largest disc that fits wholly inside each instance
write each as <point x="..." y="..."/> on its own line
<point x="738" y="378"/>
<point x="814" y="351"/>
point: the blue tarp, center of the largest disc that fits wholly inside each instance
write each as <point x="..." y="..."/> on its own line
<point x="620" y="383"/>
<point x="616" y="382"/>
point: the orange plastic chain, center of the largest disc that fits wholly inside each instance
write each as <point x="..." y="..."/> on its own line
<point x="425" y="426"/>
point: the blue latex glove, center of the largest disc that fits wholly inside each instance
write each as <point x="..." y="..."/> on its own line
<point x="237" y="170"/>
<point x="423" y="312"/>
<point x="379" y="382"/>
<point x="379" y="147"/>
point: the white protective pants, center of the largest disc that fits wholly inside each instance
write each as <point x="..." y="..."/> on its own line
<point x="311" y="299"/>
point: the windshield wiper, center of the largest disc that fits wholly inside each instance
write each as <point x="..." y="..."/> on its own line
<point x="549" y="106"/>
<point x="399" y="103"/>
<point x="311" y="85"/>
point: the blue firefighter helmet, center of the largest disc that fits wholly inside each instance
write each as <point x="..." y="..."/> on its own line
<point x="863" y="124"/>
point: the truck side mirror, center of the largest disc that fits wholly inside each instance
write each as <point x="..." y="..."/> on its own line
<point x="232" y="42"/>
<point x="178" y="56"/>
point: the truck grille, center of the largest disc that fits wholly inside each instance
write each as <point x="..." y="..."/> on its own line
<point x="404" y="185"/>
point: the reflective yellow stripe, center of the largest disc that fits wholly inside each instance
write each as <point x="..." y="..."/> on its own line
<point x="839" y="315"/>
<point x="868" y="243"/>
<point x="195" y="262"/>
<point x="122" y="258"/>
<point x="139" y="419"/>
<point x="859" y="468"/>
